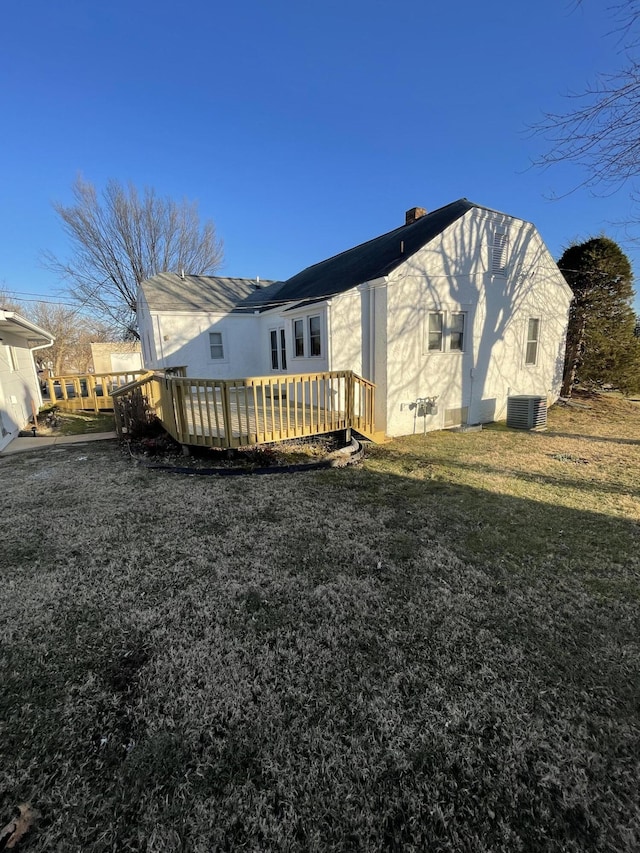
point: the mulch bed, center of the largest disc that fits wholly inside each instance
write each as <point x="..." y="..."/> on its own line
<point x="161" y="452"/>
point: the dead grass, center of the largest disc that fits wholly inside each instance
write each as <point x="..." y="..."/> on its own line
<point x="75" y="423"/>
<point x="437" y="650"/>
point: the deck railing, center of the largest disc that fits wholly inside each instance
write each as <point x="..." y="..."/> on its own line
<point x="92" y="391"/>
<point x="252" y="410"/>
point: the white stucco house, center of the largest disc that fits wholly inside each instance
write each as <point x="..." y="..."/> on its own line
<point x="449" y="315"/>
<point x="19" y="385"/>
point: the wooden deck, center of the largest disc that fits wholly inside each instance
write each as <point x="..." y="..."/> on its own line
<point x="91" y="391"/>
<point x="254" y="410"/>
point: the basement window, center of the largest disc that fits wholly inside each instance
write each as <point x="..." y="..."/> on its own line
<point x="215" y="345"/>
<point x="533" y="339"/>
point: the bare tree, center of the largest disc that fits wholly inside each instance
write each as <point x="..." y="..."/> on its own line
<point x="601" y="130"/>
<point x="73" y="332"/>
<point x="8" y="301"/>
<point x="123" y="237"/>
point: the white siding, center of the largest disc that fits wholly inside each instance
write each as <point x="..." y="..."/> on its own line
<point x="379" y="329"/>
<point x="349" y="332"/>
<point x="452" y="274"/>
<point x="181" y="339"/>
<point x="297" y="364"/>
<point x="18" y="387"/>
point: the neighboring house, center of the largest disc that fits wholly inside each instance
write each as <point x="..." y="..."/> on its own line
<point x="449" y="315"/>
<point x="116" y="357"/>
<point x="19" y="385"/>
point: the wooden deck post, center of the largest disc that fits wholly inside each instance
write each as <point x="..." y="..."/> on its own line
<point x="226" y="413"/>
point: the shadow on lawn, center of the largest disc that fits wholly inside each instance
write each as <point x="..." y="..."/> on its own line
<point x="561" y="482"/>
<point x="552" y="433"/>
<point x="386" y="663"/>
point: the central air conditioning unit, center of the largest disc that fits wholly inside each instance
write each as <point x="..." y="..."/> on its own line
<point x="527" y="412"/>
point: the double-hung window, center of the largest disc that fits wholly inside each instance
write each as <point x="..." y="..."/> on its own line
<point x="315" y="347"/>
<point x="215" y="345"/>
<point x="307" y="337"/>
<point x="456" y="332"/>
<point x="436" y="331"/>
<point x="446" y="331"/>
<point x="533" y="339"/>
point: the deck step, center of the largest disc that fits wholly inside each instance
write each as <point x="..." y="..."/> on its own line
<point x="379" y="437"/>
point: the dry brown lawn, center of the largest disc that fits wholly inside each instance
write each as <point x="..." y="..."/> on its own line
<point x="437" y="650"/>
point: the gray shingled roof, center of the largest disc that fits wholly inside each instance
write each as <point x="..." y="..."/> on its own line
<point x="373" y="259"/>
<point x="366" y="262"/>
<point x="170" y="292"/>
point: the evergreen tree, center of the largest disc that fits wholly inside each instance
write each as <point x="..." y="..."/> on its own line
<point x="601" y="344"/>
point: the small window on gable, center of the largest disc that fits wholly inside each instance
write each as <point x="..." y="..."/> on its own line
<point x="215" y="345"/>
<point x="533" y="338"/>
<point x="499" y="252"/>
<point x="298" y="337"/>
<point x="456" y="333"/>
<point x="315" y="347"/>
<point x="436" y="325"/>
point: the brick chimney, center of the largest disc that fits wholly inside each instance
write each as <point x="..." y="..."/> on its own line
<point x="414" y="214"/>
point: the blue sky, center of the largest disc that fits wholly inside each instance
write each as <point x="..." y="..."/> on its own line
<point x="301" y="128"/>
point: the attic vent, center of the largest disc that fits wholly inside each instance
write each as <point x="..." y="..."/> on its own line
<point x="499" y="253"/>
<point x="414" y="214"/>
<point x="527" y="412"/>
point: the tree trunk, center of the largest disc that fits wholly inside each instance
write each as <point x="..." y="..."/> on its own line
<point x="573" y="357"/>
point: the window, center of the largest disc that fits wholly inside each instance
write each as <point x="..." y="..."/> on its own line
<point x="446" y="331"/>
<point x="314" y="336"/>
<point x="298" y="336"/>
<point x="278" y="349"/>
<point x="215" y="345"/>
<point x="456" y="334"/>
<point x="533" y="338"/>
<point x="436" y="326"/>
<point x="499" y="253"/>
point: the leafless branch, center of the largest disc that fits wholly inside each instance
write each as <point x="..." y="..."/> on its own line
<point x="124" y="237"/>
<point x="600" y="132"/>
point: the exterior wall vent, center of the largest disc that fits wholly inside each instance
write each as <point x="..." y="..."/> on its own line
<point x="527" y="412"/>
